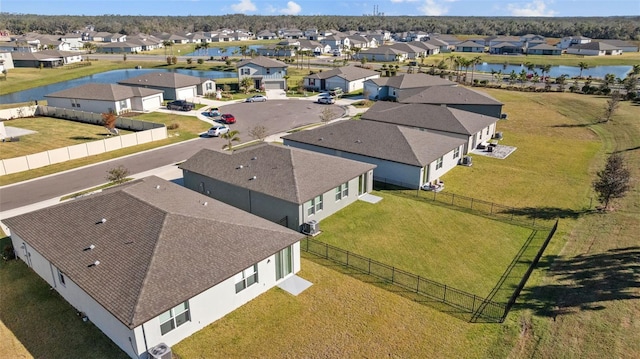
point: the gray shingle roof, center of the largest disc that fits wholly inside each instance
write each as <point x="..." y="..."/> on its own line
<point x="103" y="92"/>
<point x="449" y="95"/>
<point x="380" y="140"/>
<point x="291" y="174"/>
<point x="162" y="79"/>
<point x="407" y="81"/>
<point x="595" y="45"/>
<point x="158" y="247"/>
<point x="432" y="117"/>
<point x="349" y="73"/>
<point x="262" y="61"/>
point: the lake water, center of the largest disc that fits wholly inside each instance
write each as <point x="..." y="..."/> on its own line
<point x="109" y="77"/>
<point x="214" y="50"/>
<point x="572" y="71"/>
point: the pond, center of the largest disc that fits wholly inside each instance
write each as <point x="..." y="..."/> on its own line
<point x="109" y="77"/>
<point x="214" y="50"/>
<point x="571" y="71"/>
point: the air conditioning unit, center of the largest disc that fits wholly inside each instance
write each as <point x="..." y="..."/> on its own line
<point x="498" y="136"/>
<point x="466" y="161"/>
<point x="311" y="228"/>
<point x="160" y="351"/>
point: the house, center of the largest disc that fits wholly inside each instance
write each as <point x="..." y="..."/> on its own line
<point x="152" y="262"/>
<point x="45" y="58"/>
<point x="385" y="53"/>
<point x="118" y="47"/>
<point x="104" y="98"/>
<point x="336" y="42"/>
<point x="443" y="46"/>
<point x="594" y="48"/>
<point x="174" y="86"/>
<point x="544" y="49"/>
<point x="284" y="185"/>
<point x="266" y="73"/>
<point x="568" y="41"/>
<point x="472" y="127"/>
<point x="457" y="97"/>
<point x="391" y="87"/>
<point x="505" y="48"/>
<point x="348" y="78"/>
<point x="6" y="61"/>
<point x="404" y="156"/>
<point x="470" y="46"/>
<point x="413" y="51"/>
<point x="315" y="47"/>
<point x="74" y="40"/>
<point x="452" y="40"/>
<point x="495" y="40"/>
<point x="266" y="35"/>
<point x="429" y="48"/>
<point x="625" y="46"/>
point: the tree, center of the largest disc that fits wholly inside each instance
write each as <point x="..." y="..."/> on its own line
<point x="583" y="66"/>
<point x="613" y="180"/>
<point x="109" y="121"/>
<point x="327" y="115"/>
<point x="246" y="83"/>
<point x="167" y="44"/>
<point x="258" y="132"/>
<point x="231" y="137"/>
<point x="89" y="47"/>
<point x="610" y="108"/>
<point x="124" y="57"/>
<point x="475" y="61"/>
<point x="117" y="175"/>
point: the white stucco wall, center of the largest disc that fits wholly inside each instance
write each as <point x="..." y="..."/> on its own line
<point x="96" y="106"/>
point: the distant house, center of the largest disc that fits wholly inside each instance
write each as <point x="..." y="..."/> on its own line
<point x="594" y="48"/>
<point x="315" y="47"/>
<point x="472" y="127"/>
<point x="348" y="78"/>
<point x="281" y="184"/>
<point x="6" y="61"/>
<point x="505" y="48"/>
<point x="103" y="98"/>
<point x="413" y="52"/>
<point x="117" y="47"/>
<point x="568" y="41"/>
<point x="404" y="156"/>
<point x="391" y="87"/>
<point x="175" y="86"/>
<point x="625" y="46"/>
<point x="544" y="49"/>
<point x="146" y="268"/>
<point x="266" y="73"/>
<point x="385" y="53"/>
<point x="266" y="35"/>
<point x="457" y="97"/>
<point x="45" y="58"/>
<point x="470" y="46"/>
<point x="429" y="48"/>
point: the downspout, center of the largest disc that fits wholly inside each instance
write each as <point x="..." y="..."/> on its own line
<point x="144" y="337"/>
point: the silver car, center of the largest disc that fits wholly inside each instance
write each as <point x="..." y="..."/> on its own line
<point x="217" y="130"/>
<point x="326" y="100"/>
<point x="256" y="98"/>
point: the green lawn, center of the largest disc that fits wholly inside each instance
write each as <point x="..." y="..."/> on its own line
<point x="51" y="133"/>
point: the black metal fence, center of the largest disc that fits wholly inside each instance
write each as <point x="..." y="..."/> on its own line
<point x="477" y="307"/>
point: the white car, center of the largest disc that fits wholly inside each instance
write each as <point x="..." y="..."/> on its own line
<point x="326" y="100"/>
<point x="217" y="130"/>
<point x="256" y="98"/>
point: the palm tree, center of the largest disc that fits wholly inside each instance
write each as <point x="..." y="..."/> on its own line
<point x="231" y="137"/>
<point x="246" y="83"/>
<point x="582" y="66"/>
<point x="167" y="43"/>
<point x="545" y="69"/>
<point x="462" y="62"/>
<point x="475" y="61"/>
<point x="244" y="50"/>
<point x="530" y="66"/>
<point x="89" y="47"/>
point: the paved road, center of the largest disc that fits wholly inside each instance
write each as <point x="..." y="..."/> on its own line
<point x="278" y="116"/>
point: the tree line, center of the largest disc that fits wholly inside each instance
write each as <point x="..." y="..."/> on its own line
<point x="620" y="27"/>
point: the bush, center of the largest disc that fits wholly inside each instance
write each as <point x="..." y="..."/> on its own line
<point x="173" y="126"/>
<point x="200" y="61"/>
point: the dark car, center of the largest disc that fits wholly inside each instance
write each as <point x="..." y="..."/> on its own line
<point x="180" y="105"/>
<point x="228" y="118"/>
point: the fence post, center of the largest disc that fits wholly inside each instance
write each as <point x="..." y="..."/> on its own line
<point x="393" y="274"/>
<point x="326" y="251"/>
<point x="347" y="259"/>
<point x="369" y="266"/>
<point x="453" y="197"/>
<point x="473" y="306"/>
<point x="434" y="195"/>
<point x="534" y="222"/>
<point x="444" y="295"/>
<point x="418" y="285"/>
<point x="491" y="208"/>
<point x="471" y="203"/>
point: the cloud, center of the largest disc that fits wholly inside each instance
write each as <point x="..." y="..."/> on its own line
<point x="435" y="7"/>
<point x="399" y="1"/>
<point x="244" y="6"/>
<point x="291" y="9"/>
<point x="534" y="8"/>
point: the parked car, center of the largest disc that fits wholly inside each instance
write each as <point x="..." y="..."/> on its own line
<point x="228" y="118"/>
<point x="328" y="100"/>
<point x="217" y="130"/>
<point x="336" y="92"/>
<point x="256" y="98"/>
<point x="180" y="105"/>
<point x="213" y="112"/>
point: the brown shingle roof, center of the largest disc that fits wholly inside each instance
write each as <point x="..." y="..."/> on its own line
<point x="446" y="95"/>
<point x="159" y="246"/>
<point x="380" y="140"/>
<point x="162" y="79"/>
<point x="291" y="174"/>
<point x="103" y="92"/>
<point x="432" y="117"/>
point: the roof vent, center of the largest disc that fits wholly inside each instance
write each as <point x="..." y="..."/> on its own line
<point x="90" y="247"/>
<point x="205" y="203"/>
<point x="358" y="141"/>
<point x="320" y="139"/>
<point x="254" y="158"/>
<point x="239" y="167"/>
<point x="157" y="186"/>
<point x="252" y="178"/>
<point x="101" y="221"/>
<point x="93" y="264"/>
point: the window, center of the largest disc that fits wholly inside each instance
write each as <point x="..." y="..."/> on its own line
<point x="342" y="191"/>
<point x="439" y="163"/>
<point x="456" y="153"/>
<point x="174" y="317"/>
<point x="487" y="130"/>
<point x="268" y="70"/>
<point x="245" y="71"/>
<point x="312" y="82"/>
<point x="61" y="278"/>
<point x="123" y="104"/>
<point x="284" y="263"/>
<point x="314" y="206"/>
<point x="246" y="278"/>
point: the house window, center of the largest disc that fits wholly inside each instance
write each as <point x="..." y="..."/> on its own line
<point x="487" y="130"/>
<point x="439" y="163"/>
<point x="209" y="86"/>
<point x="342" y="191"/>
<point x="312" y="82"/>
<point x="61" y="278"/>
<point x="268" y="71"/>
<point x="246" y="278"/>
<point x="314" y="206"/>
<point x="245" y="71"/>
<point x="174" y="317"/>
<point x="456" y="153"/>
<point x="123" y="104"/>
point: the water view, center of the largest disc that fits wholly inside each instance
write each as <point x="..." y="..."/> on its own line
<point x="571" y="71"/>
<point x="214" y="50"/>
<point x="109" y="77"/>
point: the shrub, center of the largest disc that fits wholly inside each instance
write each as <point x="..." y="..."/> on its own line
<point x="173" y="126"/>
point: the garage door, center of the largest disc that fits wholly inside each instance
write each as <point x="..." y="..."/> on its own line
<point x="186" y="93"/>
<point x="274" y="85"/>
<point x="151" y="103"/>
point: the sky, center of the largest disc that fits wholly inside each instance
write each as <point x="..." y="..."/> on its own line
<point x="548" y="8"/>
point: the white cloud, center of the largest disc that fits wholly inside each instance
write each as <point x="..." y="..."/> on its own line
<point x="399" y="1"/>
<point x="435" y="7"/>
<point x="244" y="6"/>
<point x="534" y="8"/>
<point x="291" y="9"/>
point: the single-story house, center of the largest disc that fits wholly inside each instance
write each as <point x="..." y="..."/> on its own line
<point x="151" y="262"/>
<point x="45" y="58"/>
<point x="281" y="184"/>
<point x="625" y="46"/>
<point x="458" y="97"/>
<point x="266" y="73"/>
<point x="118" y="47"/>
<point x="383" y="53"/>
<point x="472" y="127"/>
<point x="413" y="52"/>
<point x="404" y="156"/>
<point x="103" y="98"/>
<point x="544" y="49"/>
<point x="266" y="35"/>
<point x="390" y="87"/>
<point x="470" y="46"/>
<point x="174" y="86"/>
<point x="428" y="47"/>
<point x="499" y="39"/>
<point x="505" y="48"/>
<point x="314" y="46"/>
<point x="568" y="41"/>
<point x="594" y="48"/>
<point x="348" y="78"/>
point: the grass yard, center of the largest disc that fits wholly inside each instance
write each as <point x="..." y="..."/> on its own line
<point x="627" y="58"/>
<point x="51" y="133"/>
<point x="435" y="242"/>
